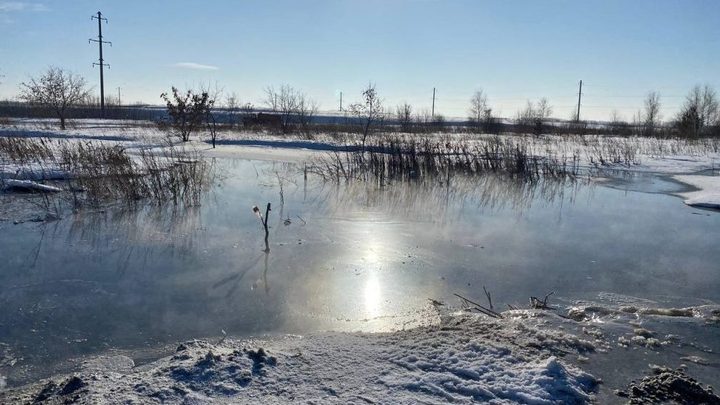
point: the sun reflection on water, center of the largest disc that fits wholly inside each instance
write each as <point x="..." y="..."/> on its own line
<point x="372" y="296"/>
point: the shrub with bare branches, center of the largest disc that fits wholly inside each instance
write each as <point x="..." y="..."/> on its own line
<point x="369" y="110"/>
<point x="187" y="111"/>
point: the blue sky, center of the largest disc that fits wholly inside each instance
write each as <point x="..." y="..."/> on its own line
<point x="515" y="50"/>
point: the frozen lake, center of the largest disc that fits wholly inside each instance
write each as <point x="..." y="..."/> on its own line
<point x="342" y="257"/>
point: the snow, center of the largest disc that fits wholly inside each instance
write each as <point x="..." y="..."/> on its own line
<point x="27" y="185"/>
<point x="707" y="194"/>
<point x="641" y="154"/>
<point x="464" y="359"/>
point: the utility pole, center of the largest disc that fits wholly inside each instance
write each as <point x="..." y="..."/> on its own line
<point x="577" y="117"/>
<point x="101" y="62"/>
<point x="432" y="114"/>
<point x="341" y="101"/>
<point x="119" y="103"/>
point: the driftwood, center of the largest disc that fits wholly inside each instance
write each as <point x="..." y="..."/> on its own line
<point x="480" y="308"/>
<point x="535" y="303"/>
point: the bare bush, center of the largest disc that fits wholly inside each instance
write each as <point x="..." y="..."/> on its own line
<point x="369" y="110"/>
<point x="187" y="111"/>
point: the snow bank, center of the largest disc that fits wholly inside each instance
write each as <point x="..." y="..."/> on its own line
<point x="465" y="359"/>
<point x="708" y="193"/>
<point x="27" y="186"/>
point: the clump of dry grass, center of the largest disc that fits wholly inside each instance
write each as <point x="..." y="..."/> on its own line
<point x="25" y="150"/>
<point x="97" y="173"/>
<point x="407" y="159"/>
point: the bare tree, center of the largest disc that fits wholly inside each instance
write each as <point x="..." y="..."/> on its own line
<point x="544" y="109"/>
<point x="232" y="103"/>
<point x="700" y="111"/>
<point x="651" y="113"/>
<point x="423" y="119"/>
<point x="57" y="89"/>
<point x="618" y="125"/>
<point x="285" y="101"/>
<point x="478" y="109"/>
<point x="525" y="116"/>
<point x="188" y="111"/>
<point x="404" y="117"/>
<point x="306" y="109"/>
<point x="271" y="98"/>
<point x="534" y="116"/>
<point x="369" y="110"/>
<point x="293" y="106"/>
<point x="287" y="105"/>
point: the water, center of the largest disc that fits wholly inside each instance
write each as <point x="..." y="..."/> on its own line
<point x="341" y="257"/>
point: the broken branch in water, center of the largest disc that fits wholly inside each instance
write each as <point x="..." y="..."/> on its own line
<point x="263" y="221"/>
<point x="489" y="298"/>
<point x="475" y="305"/>
<point x="536" y="303"/>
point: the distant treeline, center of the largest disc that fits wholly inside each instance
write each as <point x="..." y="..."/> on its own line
<point x="339" y="122"/>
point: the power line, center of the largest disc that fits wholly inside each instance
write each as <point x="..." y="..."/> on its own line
<point x="579" y="99"/>
<point x="101" y="62"/>
<point x="433" y="104"/>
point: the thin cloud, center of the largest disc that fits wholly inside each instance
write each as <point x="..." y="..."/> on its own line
<point x="195" y="66"/>
<point x="17" y="6"/>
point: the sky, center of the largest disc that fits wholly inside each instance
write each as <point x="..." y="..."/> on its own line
<point x="514" y="50"/>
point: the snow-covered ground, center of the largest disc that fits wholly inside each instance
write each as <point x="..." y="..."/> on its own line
<point x="594" y="354"/>
<point x="707" y="194"/>
<point x="666" y="156"/>
<point x="465" y="358"/>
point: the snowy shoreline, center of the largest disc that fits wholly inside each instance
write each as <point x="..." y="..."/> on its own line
<point x="528" y="357"/>
<point x="707" y="193"/>
<point x="464" y="359"/>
